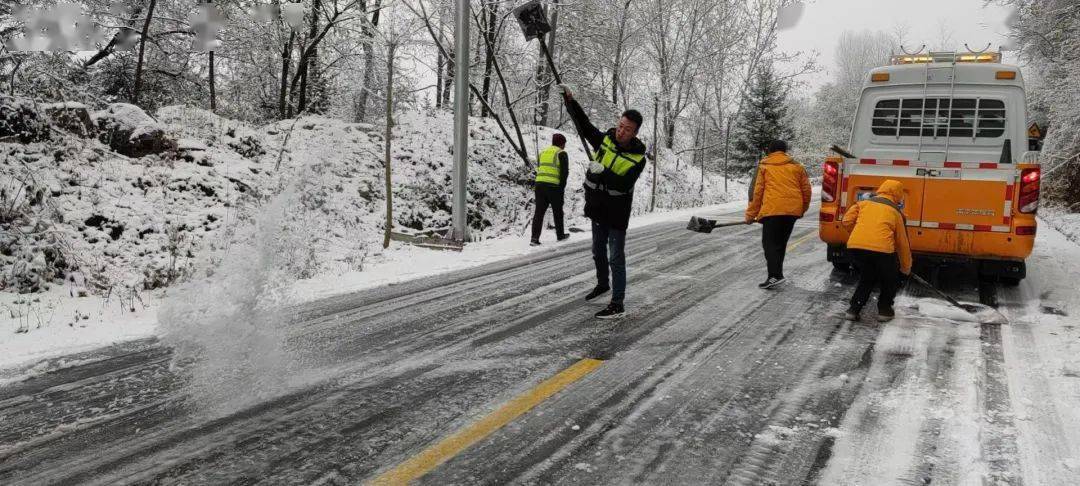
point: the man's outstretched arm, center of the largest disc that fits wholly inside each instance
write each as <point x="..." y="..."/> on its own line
<point x="581" y="121"/>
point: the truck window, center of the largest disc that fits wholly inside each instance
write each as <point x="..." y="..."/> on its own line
<point x="939" y="117"/>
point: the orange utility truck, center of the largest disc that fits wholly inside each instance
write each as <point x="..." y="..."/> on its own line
<point x="953" y="128"/>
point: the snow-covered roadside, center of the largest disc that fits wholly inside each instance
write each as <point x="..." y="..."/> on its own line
<point x="52" y="328"/>
<point x="1065" y="222"/>
<point x="404" y="262"/>
<point x="39" y="326"/>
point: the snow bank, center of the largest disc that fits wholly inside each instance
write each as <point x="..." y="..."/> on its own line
<point x="1065" y="222"/>
<point x="46" y="324"/>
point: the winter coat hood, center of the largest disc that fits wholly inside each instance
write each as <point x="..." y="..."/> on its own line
<point x="893" y="190"/>
<point x="777" y="158"/>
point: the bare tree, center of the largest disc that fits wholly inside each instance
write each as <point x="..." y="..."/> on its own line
<point x="142" y="51"/>
<point x="620" y="42"/>
<point x="677" y="35"/>
<point x="391" y="47"/>
<point x="367" y="29"/>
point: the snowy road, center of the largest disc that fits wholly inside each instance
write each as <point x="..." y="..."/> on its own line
<point x="708" y="380"/>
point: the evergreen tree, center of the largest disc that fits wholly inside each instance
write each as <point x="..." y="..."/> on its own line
<point x="764" y="118"/>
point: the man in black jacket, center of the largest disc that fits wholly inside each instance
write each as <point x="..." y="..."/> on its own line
<point x="609" y="197"/>
<point x="552" y="169"/>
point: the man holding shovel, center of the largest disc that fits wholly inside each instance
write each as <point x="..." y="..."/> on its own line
<point x="609" y="196"/>
<point x="781" y="195"/>
<point x="879" y="246"/>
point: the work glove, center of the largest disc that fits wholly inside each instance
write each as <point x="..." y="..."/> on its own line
<point x="595" y="167"/>
<point x="749" y="220"/>
<point x="566" y="91"/>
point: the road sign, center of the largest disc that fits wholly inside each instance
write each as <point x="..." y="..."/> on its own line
<point x="1035" y="131"/>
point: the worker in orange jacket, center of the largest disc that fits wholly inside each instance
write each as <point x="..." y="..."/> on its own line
<point x="781" y="196"/>
<point x="878" y="244"/>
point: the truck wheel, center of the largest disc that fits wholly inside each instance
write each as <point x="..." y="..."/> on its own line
<point x="1010" y="281"/>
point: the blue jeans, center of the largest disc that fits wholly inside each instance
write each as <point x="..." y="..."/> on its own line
<point x="608" y="250"/>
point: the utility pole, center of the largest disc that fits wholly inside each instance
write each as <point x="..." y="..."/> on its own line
<point x="461" y="119"/>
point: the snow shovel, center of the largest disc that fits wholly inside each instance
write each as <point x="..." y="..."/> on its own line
<point x="705" y="225"/>
<point x="976" y="310"/>
<point x="534" y="25"/>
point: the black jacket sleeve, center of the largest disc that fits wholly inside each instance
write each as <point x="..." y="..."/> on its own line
<point x="564" y="169"/>
<point x="584" y="126"/>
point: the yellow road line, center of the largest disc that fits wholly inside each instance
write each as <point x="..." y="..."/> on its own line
<point x="451" y="446"/>
<point x="800" y="241"/>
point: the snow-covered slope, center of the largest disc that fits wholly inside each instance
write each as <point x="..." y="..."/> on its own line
<point x="128" y="223"/>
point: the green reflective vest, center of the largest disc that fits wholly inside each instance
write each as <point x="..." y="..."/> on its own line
<point x="619" y="162"/>
<point x="548" y="169"/>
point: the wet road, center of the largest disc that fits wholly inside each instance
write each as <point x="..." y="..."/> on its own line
<point x="707" y="380"/>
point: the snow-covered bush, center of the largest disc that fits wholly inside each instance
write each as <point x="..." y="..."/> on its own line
<point x="32" y="253"/>
<point x="22" y="121"/>
<point x="72" y="117"/>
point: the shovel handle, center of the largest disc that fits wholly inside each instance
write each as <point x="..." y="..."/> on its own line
<point x="941" y="294"/>
<point x="558" y="80"/>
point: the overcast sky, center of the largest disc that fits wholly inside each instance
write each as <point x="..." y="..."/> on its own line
<point x="822" y="22"/>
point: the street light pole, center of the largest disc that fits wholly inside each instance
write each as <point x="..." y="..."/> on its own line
<point x="461" y="119"/>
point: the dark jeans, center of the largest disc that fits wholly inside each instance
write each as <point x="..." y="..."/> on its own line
<point x="609" y="250"/>
<point x="875" y="269"/>
<point x="547" y="195"/>
<point x="775" y="232"/>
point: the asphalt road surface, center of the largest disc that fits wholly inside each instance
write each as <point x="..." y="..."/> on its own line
<point x="500" y="374"/>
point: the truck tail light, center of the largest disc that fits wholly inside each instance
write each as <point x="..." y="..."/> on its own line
<point x="1025" y="230"/>
<point x="830" y="181"/>
<point x="826" y="217"/>
<point x="1029" y="190"/>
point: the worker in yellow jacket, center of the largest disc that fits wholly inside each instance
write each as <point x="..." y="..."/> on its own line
<point x="878" y="244"/>
<point x="781" y="196"/>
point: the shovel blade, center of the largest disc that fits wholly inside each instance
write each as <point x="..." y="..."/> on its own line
<point x="532" y="20"/>
<point x="700" y="225"/>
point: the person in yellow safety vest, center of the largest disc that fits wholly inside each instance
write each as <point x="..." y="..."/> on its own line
<point x="609" y="197"/>
<point x="552" y="168"/>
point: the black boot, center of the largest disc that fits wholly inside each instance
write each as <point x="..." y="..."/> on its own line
<point x="596" y="292"/>
<point x="612" y="311"/>
<point x="885" y="315"/>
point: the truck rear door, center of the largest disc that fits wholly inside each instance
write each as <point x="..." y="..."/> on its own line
<point x="862" y="177"/>
<point x="970" y="196"/>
